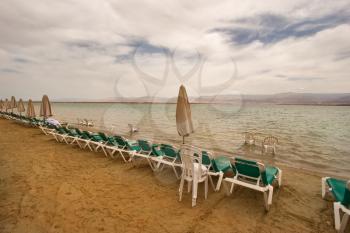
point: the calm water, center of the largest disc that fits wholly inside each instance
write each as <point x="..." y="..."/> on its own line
<point x="310" y="137"/>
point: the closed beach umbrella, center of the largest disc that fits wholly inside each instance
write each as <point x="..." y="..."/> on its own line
<point x="7" y="105"/>
<point x="45" y="108"/>
<point x="13" y="103"/>
<point x="20" y="107"/>
<point x="1" y="105"/>
<point x="30" y="109"/>
<point x="183" y="114"/>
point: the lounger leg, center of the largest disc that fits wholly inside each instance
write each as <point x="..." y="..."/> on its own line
<point x="228" y="190"/>
<point x="344" y="222"/>
<point x="73" y="141"/>
<point x="269" y="201"/>
<point x="324" y="186"/>
<point x="84" y="145"/>
<point x="104" y="151"/>
<point x="58" y="138"/>
<point x="121" y="153"/>
<point x="212" y="182"/>
<point x="150" y="164"/>
<point x="176" y="174"/>
<point x="231" y="189"/>
<point x="206" y="188"/>
<point x="218" y="185"/>
<point x="76" y="142"/>
<point x="279" y="177"/>
<point x="337" y="215"/>
<point x="268" y="197"/>
<point x="161" y="167"/>
<point x="43" y="130"/>
<point x="55" y="137"/>
<point x="111" y="153"/>
<point x="65" y="140"/>
<point x="79" y="144"/>
<point x="131" y="155"/>
<point x="88" y="145"/>
<point x="94" y="147"/>
<point x="181" y="188"/>
<point x="266" y="202"/>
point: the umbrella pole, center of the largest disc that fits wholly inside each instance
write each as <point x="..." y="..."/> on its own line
<point x="183" y="139"/>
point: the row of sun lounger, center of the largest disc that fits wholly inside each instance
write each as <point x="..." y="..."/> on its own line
<point x="247" y="173"/>
<point x="255" y="175"/>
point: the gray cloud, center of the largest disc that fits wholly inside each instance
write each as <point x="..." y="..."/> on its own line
<point x="9" y="70"/>
<point x="271" y="28"/>
<point x="296" y="79"/>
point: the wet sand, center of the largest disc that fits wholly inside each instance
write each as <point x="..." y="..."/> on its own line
<point x="46" y="186"/>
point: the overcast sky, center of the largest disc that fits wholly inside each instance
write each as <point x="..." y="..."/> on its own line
<point x="99" y="49"/>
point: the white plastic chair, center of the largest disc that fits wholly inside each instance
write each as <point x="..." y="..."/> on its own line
<point x="269" y="142"/>
<point x="249" y="139"/>
<point x="193" y="171"/>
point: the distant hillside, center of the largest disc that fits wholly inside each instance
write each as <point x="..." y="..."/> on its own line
<point x="282" y="98"/>
<point x="302" y="98"/>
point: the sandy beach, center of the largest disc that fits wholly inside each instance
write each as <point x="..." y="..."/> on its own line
<point x="46" y="186"/>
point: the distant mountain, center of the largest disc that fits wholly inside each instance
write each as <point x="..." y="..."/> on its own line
<point x="282" y="98"/>
<point x="301" y="98"/>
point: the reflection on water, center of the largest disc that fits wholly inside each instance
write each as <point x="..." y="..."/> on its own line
<point x="311" y="137"/>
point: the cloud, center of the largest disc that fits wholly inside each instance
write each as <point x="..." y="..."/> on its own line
<point x="296" y="79"/>
<point x="81" y="49"/>
<point x="8" y="70"/>
<point x="270" y="28"/>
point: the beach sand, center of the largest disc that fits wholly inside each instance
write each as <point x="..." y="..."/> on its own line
<point x="46" y="186"/>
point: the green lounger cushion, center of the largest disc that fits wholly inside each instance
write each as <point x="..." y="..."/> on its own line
<point x="247" y="167"/>
<point x="121" y="142"/>
<point x="132" y="146"/>
<point x="61" y="131"/>
<point x="251" y="168"/>
<point x="169" y="151"/>
<point x="155" y="150"/>
<point x="112" y="142"/>
<point x="221" y="163"/>
<point x="145" y="146"/>
<point x="269" y="175"/>
<point x="205" y="158"/>
<point x="148" y="147"/>
<point x="96" y="138"/>
<point x="339" y="190"/>
<point x="103" y="136"/>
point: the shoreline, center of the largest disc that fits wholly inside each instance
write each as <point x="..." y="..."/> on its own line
<point x="51" y="187"/>
<point x="195" y="103"/>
